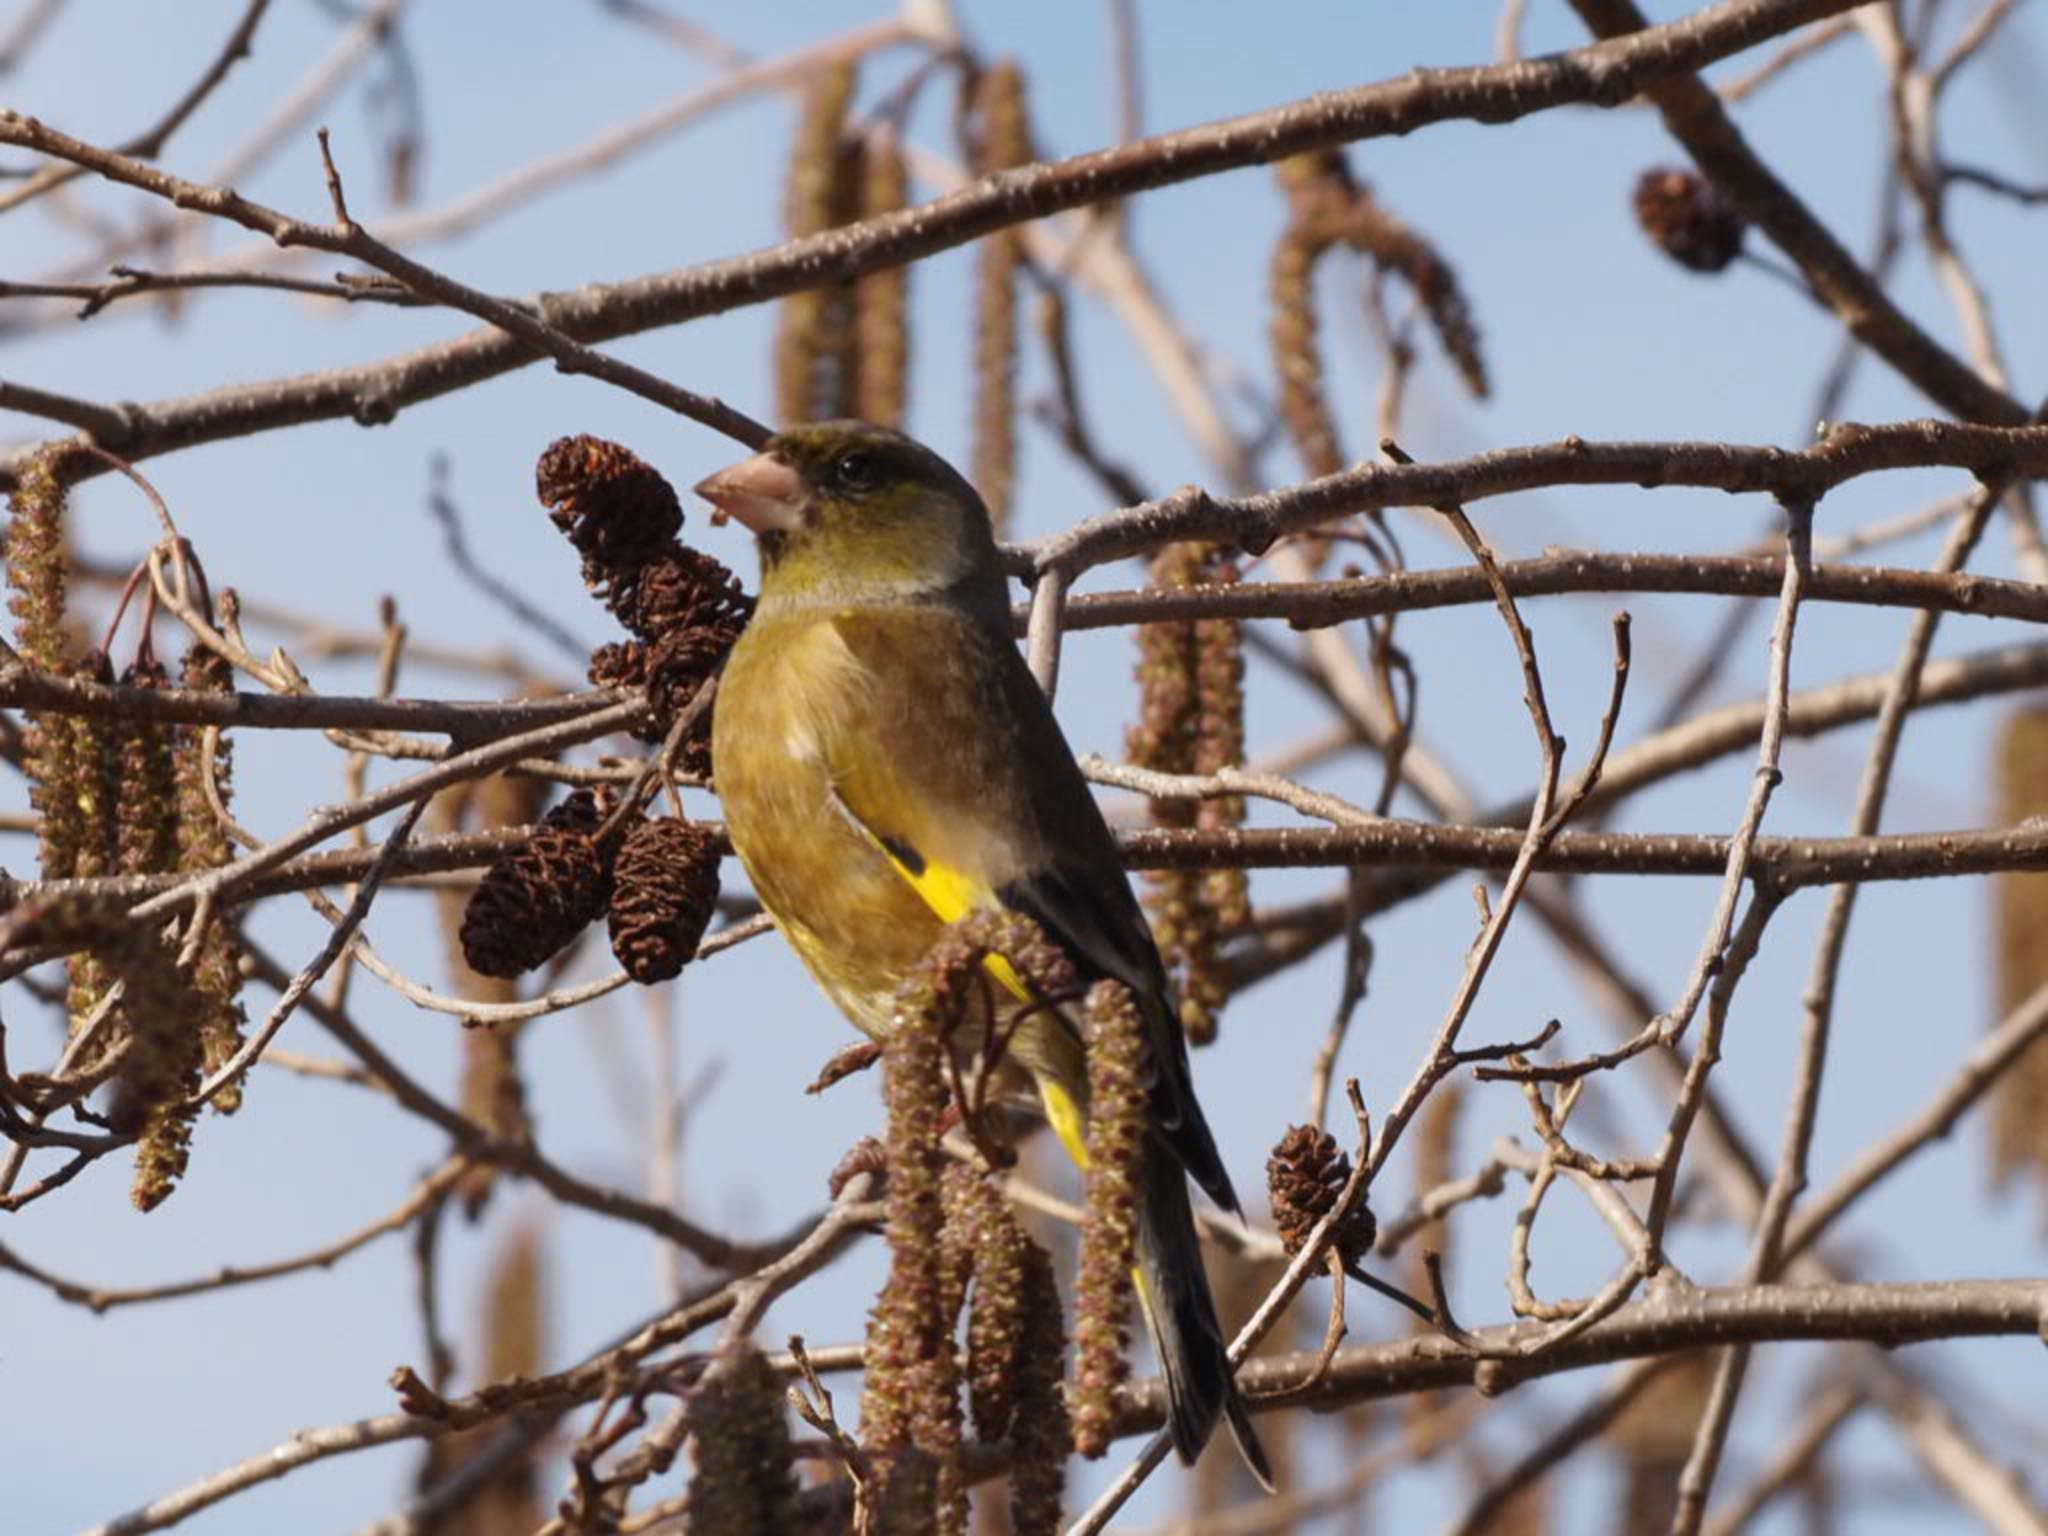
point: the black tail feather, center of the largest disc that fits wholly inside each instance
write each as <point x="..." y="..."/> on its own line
<point x="1181" y="1315"/>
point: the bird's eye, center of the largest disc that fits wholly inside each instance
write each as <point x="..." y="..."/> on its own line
<point x="856" y="471"/>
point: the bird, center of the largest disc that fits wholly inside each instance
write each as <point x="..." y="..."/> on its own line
<point x="887" y="764"/>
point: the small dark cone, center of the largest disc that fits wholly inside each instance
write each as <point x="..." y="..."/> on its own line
<point x="682" y="590"/>
<point x="620" y="664"/>
<point x="536" y="899"/>
<point x="688" y="611"/>
<point x="665" y="887"/>
<point x="1688" y="218"/>
<point x="1305" y="1175"/>
<point x="617" y="510"/>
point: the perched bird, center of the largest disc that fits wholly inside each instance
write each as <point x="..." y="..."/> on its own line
<point x="887" y="764"/>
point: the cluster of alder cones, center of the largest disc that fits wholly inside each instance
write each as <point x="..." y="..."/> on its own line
<point x="655" y="879"/>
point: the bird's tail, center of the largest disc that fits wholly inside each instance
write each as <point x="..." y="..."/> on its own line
<point x="1173" y="1292"/>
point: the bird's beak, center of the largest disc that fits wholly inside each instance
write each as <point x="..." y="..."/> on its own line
<point x="762" y="492"/>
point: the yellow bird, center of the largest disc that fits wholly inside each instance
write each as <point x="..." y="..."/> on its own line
<point x="888" y="764"/>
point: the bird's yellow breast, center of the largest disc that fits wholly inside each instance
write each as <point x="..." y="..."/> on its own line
<point x="790" y="694"/>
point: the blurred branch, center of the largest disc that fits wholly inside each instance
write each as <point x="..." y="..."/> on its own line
<point x="150" y="143"/>
<point x="1603" y="73"/>
<point x="429" y="1191"/>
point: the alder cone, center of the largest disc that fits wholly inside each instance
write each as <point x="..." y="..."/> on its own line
<point x="1304" y="1176"/>
<point x="615" y="508"/>
<point x="665" y="889"/>
<point x="682" y="591"/>
<point x="536" y="899"/>
<point x="671" y="672"/>
<point x="1689" y="219"/>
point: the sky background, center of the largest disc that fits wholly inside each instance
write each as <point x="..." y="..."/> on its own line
<point x="1587" y="330"/>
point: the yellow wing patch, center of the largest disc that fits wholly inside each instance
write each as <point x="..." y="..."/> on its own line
<point x="953" y="894"/>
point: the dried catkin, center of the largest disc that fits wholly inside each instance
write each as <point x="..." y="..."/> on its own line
<point x="96" y="747"/>
<point x="1435" y="1162"/>
<point x="814" y="363"/>
<point x="910" y="1403"/>
<point x="160" y="1015"/>
<point x="146" y="798"/>
<point x="203" y="846"/>
<point x="1297" y="347"/>
<point x="36" y="597"/>
<point x="1329" y="206"/>
<point x="1653" y="1436"/>
<point x="1191" y="721"/>
<point x="743" y="1485"/>
<point x="1041" y="1438"/>
<point x="1005" y="143"/>
<point x="1016" y="1339"/>
<point x="881" y="300"/>
<point x="161" y="1068"/>
<point x="2019" y="1101"/>
<point x="1118" y="1094"/>
<point x="910" y="1400"/>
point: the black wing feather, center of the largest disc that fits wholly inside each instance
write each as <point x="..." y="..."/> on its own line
<point x="1105" y="935"/>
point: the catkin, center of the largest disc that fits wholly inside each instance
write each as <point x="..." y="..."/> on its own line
<point x="1118" y="1095"/>
<point x="814" y="370"/>
<point x="1005" y="143"/>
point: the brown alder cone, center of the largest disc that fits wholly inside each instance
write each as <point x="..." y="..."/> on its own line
<point x="665" y="888"/>
<point x="1305" y="1174"/>
<point x="534" y="900"/>
<point x="683" y="607"/>
<point x="1688" y="219"/>
<point x="493" y="1093"/>
<point x="619" y="512"/>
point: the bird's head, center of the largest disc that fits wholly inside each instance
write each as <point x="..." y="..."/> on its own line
<point x="850" y="513"/>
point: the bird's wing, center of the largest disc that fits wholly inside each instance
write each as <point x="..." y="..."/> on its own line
<point x="957" y="771"/>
